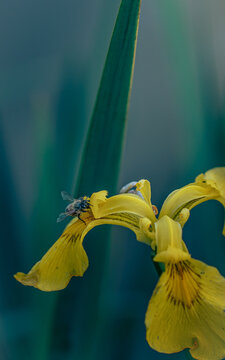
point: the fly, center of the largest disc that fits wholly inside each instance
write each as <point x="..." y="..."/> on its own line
<point x="75" y="208"/>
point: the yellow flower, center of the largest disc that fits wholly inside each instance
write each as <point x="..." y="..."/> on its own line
<point x="187" y="306"/>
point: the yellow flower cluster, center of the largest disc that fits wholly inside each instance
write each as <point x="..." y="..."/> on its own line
<point x="187" y="308"/>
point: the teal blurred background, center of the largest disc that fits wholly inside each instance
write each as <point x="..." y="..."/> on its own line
<point x="52" y="55"/>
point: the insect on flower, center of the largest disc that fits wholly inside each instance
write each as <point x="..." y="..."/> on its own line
<point x="131" y="188"/>
<point x="75" y="208"/>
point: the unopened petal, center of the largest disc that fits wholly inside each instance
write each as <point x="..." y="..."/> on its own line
<point x="66" y="258"/>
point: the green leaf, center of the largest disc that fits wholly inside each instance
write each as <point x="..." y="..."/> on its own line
<point x="99" y="169"/>
<point x="100" y="161"/>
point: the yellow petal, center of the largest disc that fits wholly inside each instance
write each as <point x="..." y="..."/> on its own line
<point x="66" y="258"/>
<point x="141" y="188"/>
<point x="171" y="255"/>
<point x="169" y="243"/>
<point x="145" y="189"/>
<point x="187" y="311"/>
<point x="216" y="179"/>
<point x="98" y="198"/>
<point x="128" y="210"/>
<point x="130" y="204"/>
<point x="183" y="216"/>
<point x="186" y="197"/>
<point x="125" y="210"/>
<point x="193" y="194"/>
<point x="147" y="233"/>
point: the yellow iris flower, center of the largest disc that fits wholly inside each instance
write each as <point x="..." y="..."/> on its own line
<point x="187" y="308"/>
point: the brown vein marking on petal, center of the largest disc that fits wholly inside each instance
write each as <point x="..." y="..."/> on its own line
<point x="70" y="237"/>
<point x="73" y="238"/>
<point x="183" y="284"/>
<point x="129" y="219"/>
<point x="188" y="205"/>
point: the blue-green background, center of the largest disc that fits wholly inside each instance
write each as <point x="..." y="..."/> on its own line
<point x="51" y="57"/>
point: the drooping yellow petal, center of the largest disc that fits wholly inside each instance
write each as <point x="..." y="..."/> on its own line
<point x="187" y="197"/>
<point x="206" y="187"/>
<point x="67" y="257"/>
<point x="187" y="311"/>
<point x="187" y="307"/>
<point x="216" y="179"/>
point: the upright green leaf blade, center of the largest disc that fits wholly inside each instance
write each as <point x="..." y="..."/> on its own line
<point x="102" y="152"/>
<point x="99" y="169"/>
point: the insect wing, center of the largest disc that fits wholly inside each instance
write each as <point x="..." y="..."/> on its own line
<point x="67" y="196"/>
<point x="61" y="217"/>
<point x="128" y="187"/>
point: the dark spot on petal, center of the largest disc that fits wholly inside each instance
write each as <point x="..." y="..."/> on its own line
<point x="195" y="343"/>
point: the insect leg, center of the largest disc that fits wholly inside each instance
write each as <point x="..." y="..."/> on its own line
<point x="81" y="219"/>
<point x="84" y="210"/>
